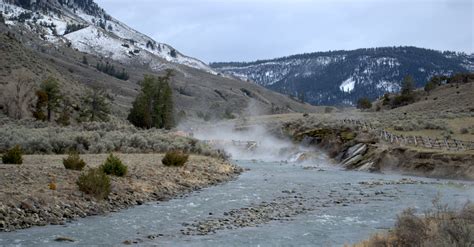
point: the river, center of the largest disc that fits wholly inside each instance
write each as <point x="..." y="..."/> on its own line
<point x="318" y="204"/>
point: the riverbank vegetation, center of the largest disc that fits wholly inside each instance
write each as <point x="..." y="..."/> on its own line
<point x="175" y="158"/>
<point x="440" y="226"/>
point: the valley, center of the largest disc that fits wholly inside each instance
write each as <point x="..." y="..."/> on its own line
<point x="111" y="136"/>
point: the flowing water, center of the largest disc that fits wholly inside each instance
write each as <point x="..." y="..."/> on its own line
<point x="343" y="207"/>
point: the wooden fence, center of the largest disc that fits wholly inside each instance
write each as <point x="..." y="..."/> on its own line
<point x="418" y="141"/>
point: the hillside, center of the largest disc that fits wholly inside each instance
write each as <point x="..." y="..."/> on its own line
<point x="83" y="25"/>
<point x="55" y="39"/>
<point x="342" y="77"/>
<point x="453" y="97"/>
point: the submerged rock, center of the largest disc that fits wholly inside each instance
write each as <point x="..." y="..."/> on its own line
<point x="64" y="239"/>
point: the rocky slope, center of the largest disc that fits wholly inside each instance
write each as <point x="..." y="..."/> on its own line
<point x="342" y="77"/>
<point x="67" y="39"/>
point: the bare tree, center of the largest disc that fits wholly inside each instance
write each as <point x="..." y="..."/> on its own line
<point x="18" y="94"/>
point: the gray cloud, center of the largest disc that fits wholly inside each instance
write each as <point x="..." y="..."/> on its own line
<point x="245" y="30"/>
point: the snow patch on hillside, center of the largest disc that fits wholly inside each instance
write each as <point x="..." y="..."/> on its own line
<point x="388" y="86"/>
<point x="388" y="61"/>
<point x="93" y="40"/>
<point x="348" y="85"/>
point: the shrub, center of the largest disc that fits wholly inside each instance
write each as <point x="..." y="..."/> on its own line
<point x="464" y="131"/>
<point x="74" y="162"/>
<point x="410" y="230"/>
<point x="114" y="166"/>
<point x="175" y="158"/>
<point x="386" y="99"/>
<point x="13" y="156"/>
<point x="328" y="110"/>
<point x="438" y="227"/>
<point x="364" y="103"/>
<point x="402" y="100"/>
<point x="95" y="182"/>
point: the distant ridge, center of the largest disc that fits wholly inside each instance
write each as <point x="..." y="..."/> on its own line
<point x="342" y="77"/>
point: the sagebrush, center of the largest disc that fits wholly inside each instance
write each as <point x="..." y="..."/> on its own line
<point x="175" y="158"/>
<point x="13" y="156"/>
<point x="37" y="137"/>
<point x="74" y="162"/>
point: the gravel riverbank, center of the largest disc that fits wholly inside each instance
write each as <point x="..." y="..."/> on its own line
<point x="26" y="200"/>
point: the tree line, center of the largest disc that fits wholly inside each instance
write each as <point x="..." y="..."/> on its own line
<point x="152" y="108"/>
<point x="110" y="70"/>
<point x="94" y="105"/>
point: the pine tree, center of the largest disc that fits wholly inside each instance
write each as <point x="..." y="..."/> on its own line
<point x="41" y="102"/>
<point x="408" y="85"/>
<point x="167" y="98"/>
<point x="173" y="53"/>
<point x="84" y="60"/>
<point x="153" y="107"/>
<point x="50" y="87"/>
<point x="95" y="106"/>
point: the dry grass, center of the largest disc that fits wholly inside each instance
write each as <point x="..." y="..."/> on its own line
<point x="451" y="126"/>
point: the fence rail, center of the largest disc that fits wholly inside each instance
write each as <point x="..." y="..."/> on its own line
<point x="418" y="141"/>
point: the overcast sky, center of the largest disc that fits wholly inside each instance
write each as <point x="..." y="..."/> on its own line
<point x="247" y="30"/>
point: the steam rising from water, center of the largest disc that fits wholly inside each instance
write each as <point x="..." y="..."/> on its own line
<point x="253" y="143"/>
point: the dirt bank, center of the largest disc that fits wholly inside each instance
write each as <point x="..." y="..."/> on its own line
<point x="364" y="151"/>
<point x="26" y="200"/>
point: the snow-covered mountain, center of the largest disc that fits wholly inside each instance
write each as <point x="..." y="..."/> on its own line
<point x="83" y="47"/>
<point x="83" y="25"/>
<point x="342" y="77"/>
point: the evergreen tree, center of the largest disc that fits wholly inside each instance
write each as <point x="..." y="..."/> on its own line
<point x="50" y="87"/>
<point x="408" y="85"/>
<point x="167" y="99"/>
<point x="153" y="107"/>
<point x="95" y="106"/>
<point x="41" y="102"/>
<point x="364" y="103"/>
<point x="84" y="60"/>
<point x="173" y="53"/>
